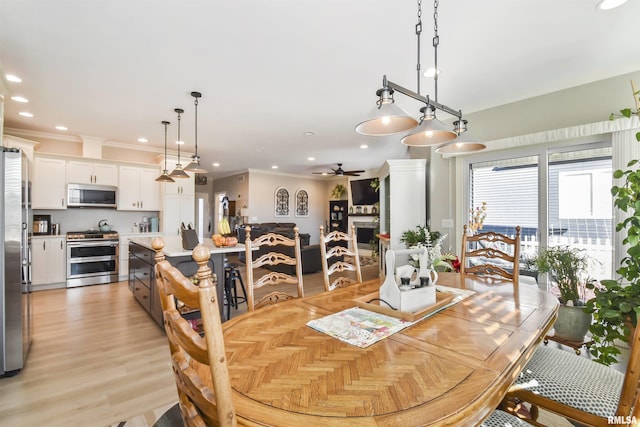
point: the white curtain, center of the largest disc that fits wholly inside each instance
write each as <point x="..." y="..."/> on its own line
<point x="625" y="149"/>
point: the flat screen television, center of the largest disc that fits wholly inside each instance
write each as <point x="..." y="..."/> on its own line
<point x="362" y="193"/>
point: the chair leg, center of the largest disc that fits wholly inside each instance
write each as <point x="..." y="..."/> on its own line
<point x="238" y="276"/>
<point x="227" y="292"/>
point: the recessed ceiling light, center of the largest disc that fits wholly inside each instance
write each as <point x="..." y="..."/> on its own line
<point x="25" y="114"/>
<point x="216" y="164"/>
<point x="363" y="146"/>
<point x="311" y="159"/>
<point x="60" y="127"/>
<point x="309" y="133"/>
<point x="609" y="4"/>
<point x="180" y="142"/>
<point x="274" y="167"/>
<point x="19" y="99"/>
<point x="143" y="140"/>
<point x="14" y="79"/>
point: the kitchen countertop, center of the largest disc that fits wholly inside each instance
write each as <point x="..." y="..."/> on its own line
<point x="173" y="246"/>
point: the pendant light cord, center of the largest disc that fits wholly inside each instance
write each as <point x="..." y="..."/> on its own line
<point x="196" y="136"/>
<point x="418" y="32"/>
<point x="436" y="42"/>
<point x="165" y="144"/>
<point x="179" y="140"/>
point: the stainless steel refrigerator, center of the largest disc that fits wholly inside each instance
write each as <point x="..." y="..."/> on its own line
<point x="15" y="261"/>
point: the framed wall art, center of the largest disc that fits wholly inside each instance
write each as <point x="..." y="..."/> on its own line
<point x="282" y="202"/>
<point x="302" y="203"/>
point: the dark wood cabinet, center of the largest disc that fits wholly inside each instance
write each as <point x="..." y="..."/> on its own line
<point x="142" y="282"/>
<point x="338" y="215"/>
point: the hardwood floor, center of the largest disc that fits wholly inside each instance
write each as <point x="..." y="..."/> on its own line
<point x="97" y="358"/>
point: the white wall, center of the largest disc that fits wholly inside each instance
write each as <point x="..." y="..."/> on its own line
<point x="262" y="188"/>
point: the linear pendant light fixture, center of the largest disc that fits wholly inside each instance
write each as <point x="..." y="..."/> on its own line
<point x="195" y="166"/>
<point x="165" y="173"/>
<point x="388" y="118"/>
<point x="178" y="172"/>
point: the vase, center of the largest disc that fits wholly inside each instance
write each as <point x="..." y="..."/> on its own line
<point x="572" y="323"/>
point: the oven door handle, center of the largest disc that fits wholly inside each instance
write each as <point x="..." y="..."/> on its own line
<point x="72" y="244"/>
<point x="84" y="260"/>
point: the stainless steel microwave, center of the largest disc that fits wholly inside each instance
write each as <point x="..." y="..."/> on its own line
<point x="91" y="196"/>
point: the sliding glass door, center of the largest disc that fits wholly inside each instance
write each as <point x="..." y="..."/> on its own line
<point x="558" y="195"/>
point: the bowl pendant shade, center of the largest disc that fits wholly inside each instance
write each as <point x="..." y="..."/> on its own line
<point x="386" y="120"/>
<point x="178" y="172"/>
<point x="459" y="147"/>
<point x="165" y="177"/>
<point x="429" y="132"/>
<point x="464" y="143"/>
<point x="195" y="166"/>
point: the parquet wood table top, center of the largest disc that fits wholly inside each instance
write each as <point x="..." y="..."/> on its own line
<point x="450" y="369"/>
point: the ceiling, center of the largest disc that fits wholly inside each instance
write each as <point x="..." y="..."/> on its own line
<point x="271" y="70"/>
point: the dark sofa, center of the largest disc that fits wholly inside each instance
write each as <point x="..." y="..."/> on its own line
<point x="309" y="254"/>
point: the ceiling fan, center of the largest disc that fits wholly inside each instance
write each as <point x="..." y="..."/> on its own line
<point x="340" y="172"/>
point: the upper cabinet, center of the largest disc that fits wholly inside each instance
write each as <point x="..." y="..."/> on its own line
<point x="178" y="205"/>
<point x="79" y="172"/>
<point x="181" y="186"/>
<point x="139" y="190"/>
<point x="49" y="186"/>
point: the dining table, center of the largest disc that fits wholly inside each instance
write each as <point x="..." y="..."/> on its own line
<point x="451" y="368"/>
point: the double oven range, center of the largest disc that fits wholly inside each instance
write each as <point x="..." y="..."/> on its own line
<point x="92" y="257"/>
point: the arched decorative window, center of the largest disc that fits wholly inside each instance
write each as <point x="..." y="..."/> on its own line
<point x="282" y="202"/>
<point x="302" y="203"/>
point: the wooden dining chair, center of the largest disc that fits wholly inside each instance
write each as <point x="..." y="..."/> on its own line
<point x="492" y="255"/>
<point x="199" y="362"/>
<point x="273" y="248"/>
<point x="333" y="248"/>
<point x="579" y="388"/>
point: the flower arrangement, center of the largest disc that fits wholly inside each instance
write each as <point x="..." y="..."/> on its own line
<point x="421" y="237"/>
<point x="478" y="216"/>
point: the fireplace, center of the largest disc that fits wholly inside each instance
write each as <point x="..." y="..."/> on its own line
<point x="365" y="232"/>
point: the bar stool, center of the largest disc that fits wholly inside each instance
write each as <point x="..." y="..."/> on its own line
<point x="231" y="278"/>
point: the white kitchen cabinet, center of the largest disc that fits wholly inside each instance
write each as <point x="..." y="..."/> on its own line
<point x="178" y="205"/>
<point x="178" y="209"/>
<point x="79" y="172"/>
<point x="138" y="189"/>
<point x="49" y="185"/>
<point x="181" y="186"/>
<point x="48" y="262"/>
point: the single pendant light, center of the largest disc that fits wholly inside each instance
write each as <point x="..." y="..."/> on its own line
<point x="165" y="173"/>
<point x="195" y="166"/>
<point x="430" y="131"/>
<point x="386" y="118"/>
<point x="464" y="143"/>
<point x="178" y="172"/>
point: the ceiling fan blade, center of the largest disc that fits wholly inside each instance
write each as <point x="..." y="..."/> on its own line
<point x="351" y="174"/>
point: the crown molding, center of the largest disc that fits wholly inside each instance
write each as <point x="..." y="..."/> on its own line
<point x="23" y="133"/>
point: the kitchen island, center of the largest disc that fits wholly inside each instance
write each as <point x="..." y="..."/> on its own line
<point x="141" y="269"/>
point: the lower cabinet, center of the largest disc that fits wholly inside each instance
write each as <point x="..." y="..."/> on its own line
<point x="48" y="262"/>
<point x="142" y="282"/>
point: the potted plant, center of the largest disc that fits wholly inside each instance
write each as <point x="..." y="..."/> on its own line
<point x="338" y="191"/>
<point x="422" y="237"/>
<point x="616" y="305"/>
<point x="568" y="268"/>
